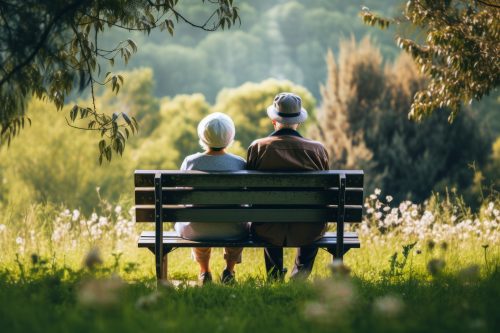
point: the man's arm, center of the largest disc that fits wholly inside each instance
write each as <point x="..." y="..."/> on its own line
<point x="251" y="158"/>
<point x="325" y="160"/>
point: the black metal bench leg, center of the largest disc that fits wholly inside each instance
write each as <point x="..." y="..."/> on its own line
<point x="159" y="257"/>
<point x="333" y="251"/>
<point x="339" y="254"/>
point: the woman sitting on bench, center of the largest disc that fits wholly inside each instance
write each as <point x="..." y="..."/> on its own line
<point x="216" y="133"/>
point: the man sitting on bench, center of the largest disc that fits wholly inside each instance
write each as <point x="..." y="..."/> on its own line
<point x="286" y="150"/>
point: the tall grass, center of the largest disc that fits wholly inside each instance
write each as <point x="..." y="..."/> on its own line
<point x="431" y="267"/>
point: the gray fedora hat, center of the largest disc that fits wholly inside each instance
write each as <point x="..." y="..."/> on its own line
<point x="287" y="109"/>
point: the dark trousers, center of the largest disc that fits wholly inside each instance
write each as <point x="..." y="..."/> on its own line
<point x="304" y="261"/>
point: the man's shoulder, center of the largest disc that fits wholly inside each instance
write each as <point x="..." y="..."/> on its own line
<point x="269" y="140"/>
<point x="257" y="142"/>
<point x="313" y="142"/>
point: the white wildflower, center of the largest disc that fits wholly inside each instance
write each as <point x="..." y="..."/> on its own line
<point x="389" y="306"/>
<point x="118" y="209"/>
<point x="316" y="311"/>
<point x="377" y="191"/>
<point x="103" y="292"/>
<point x="76" y="215"/>
<point x="2" y="228"/>
<point x="388" y="198"/>
<point x="103" y="221"/>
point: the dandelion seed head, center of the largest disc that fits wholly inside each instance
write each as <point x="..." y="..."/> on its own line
<point x="435" y="266"/>
<point x="469" y="273"/>
<point x="388" y="306"/>
<point x="315" y="311"/>
<point x="93" y="258"/>
<point x="103" y="292"/>
<point x="338" y="267"/>
<point x="148" y="301"/>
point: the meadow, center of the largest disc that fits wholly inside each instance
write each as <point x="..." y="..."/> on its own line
<point x="430" y="267"/>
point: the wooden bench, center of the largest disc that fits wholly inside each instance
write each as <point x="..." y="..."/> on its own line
<point x="315" y="196"/>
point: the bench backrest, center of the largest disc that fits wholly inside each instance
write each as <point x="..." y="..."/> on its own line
<point x="241" y="196"/>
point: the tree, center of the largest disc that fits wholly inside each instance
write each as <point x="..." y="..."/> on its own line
<point x="176" y="135"/>
<point x="352" y="91"/>
<point x="66" y="55"/>
<point x="49" y="163"/>
<point x="363" y="122"/>
<point x="136" y="99"/>
<point x="458" y="50"/>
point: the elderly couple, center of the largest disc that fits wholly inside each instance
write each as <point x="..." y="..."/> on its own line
<point x="283" y="150"/>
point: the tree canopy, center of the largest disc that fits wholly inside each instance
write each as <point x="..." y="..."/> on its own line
<point x="363" y="123"/>
<point x="455" y="45"/>
<point x="49" y="48"/>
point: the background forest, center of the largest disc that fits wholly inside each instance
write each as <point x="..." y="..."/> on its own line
<point x="352" y="78"/>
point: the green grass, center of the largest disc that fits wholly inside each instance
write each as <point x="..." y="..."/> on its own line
<point x="50" y="303"/>
<point x="57" y="295"/>
<point x="389" y="289"/>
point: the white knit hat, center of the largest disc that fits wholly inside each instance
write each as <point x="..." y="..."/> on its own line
<point x="216" y="130"/>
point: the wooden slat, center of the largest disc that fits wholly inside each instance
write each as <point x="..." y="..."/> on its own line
<point x="172" y="196"/>
<point x="309" y="179"/>
<point x="174" y="235"/>
<point x="353" y="214"/>
<point x="171" y="239"/>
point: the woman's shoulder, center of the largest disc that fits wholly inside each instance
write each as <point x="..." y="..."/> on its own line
<point x="239" y="158"/>
<point x="193" y="157"/>
<point x="189" y="160"/>
<point x="236" y="158"/>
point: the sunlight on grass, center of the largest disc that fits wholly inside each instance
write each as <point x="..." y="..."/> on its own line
<point x="419" y="268"/>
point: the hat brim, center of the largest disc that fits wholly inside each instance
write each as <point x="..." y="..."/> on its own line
<point x="273" y="114"/>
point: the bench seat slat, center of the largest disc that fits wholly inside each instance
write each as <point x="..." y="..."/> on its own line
<point x="310" y="179"/>
<point x="183" y="196"/>
<point x="353" y="214"/>
<point x="173" y="234"/>
<point x="171" y="239"/>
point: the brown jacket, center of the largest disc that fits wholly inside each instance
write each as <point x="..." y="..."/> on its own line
<point x="286" y="150"/>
